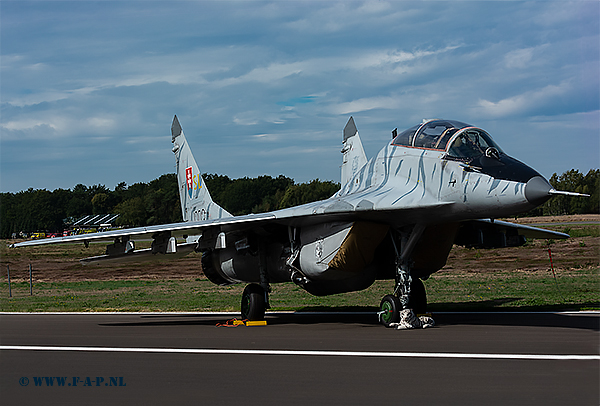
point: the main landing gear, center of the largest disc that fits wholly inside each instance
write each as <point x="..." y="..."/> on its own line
<point x="255" y="299"/>
<point x="254" y="302"/>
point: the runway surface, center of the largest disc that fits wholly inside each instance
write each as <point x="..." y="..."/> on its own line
<point x="468" y="358"/>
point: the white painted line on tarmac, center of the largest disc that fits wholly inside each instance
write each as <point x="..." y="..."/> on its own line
<point x="285" y="312"/>
<point x="537" y="357"/>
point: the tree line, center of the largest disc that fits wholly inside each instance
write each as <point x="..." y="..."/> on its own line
<point x="157" y="202"/>
<point x="572" y="181"/>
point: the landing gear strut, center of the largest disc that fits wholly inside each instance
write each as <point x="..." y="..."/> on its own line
<point x="255" y="299"/>
<point x="409" y="294"/>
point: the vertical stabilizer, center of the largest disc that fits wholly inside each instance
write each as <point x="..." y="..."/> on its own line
<point x="354" y="154"/>
<point x="196" y="203"/>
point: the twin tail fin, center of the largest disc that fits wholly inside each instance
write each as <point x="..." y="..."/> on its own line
<point x="196" y="203"/>
<point x="354" y="154"/>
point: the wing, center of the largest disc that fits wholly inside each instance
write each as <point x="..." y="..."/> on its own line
<point x="182" y="229"/>
<point x="333" y="209"/>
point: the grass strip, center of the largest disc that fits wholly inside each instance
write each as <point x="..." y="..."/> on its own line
<point x="499" y="291"/>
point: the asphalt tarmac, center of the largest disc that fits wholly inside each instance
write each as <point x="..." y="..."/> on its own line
<point x="307" y="359"/>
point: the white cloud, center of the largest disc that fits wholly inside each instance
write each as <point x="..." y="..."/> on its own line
<point x="519" y="58"/>
<point x="523" y="102"/>
<point x="268" y="74"/>
<point x="101" y="123"/>
<point x="27" y="124"/>
<point x="393" y="57"/>
<point x="247" y="118"/>
<point x="565" y="12"/>
<point x="50" y="125"/>
<point x="366" y="104"/>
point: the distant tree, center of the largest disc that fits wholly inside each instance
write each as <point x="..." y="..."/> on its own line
<point x="216" y="184"/>
<point x="592" y="182"/>
<point x="572" y="181"/>
<point x="7" y="215"/>
<point x="101" y="203"/>
<point x="162" y="200"/>
<point x="247" y="195"/>
<point x="308" y="192"/>
<point x="80" y="203"/>
<point x="132" y="212"/>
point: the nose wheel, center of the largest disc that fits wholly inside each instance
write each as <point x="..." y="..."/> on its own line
<point x="389" y="310"/>
<point x="390" y="307"/>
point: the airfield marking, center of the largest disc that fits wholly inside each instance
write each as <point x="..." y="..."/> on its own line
<point x="286" y="312"/>
<point x="559" y="357"/>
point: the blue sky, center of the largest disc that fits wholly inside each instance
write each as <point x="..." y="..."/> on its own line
<point x="89" y="89"/>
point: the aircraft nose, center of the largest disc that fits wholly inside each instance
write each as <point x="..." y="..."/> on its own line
<point x="537" y="190"/>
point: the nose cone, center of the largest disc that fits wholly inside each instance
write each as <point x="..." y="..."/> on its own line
<point x="537" y="190"/>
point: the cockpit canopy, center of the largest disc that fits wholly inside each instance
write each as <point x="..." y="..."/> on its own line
<point x="461" y="141"/>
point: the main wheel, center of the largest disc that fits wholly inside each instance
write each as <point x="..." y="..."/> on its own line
<point x="418" y="297"/>
<point x="389" y="310"/>
<point x="253" y="303"/>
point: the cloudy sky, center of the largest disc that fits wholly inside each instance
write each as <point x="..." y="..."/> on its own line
<point x="89" y="89"/>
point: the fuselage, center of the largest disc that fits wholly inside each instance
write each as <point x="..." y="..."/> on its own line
<point x="482" y="183"/>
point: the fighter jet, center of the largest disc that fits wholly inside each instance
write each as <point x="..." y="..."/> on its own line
<point x="396" y="216"/>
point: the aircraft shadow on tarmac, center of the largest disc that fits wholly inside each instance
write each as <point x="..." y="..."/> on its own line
<point x="444" y="315"/>
<point x="494" y="306"/>
<point x="583" y="321"/>
<point x="361" y="318"/>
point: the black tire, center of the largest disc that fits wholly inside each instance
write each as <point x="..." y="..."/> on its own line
<point x="390" y="310"/>
<point x="418" y="297"/>
<point x="253" y="303"/>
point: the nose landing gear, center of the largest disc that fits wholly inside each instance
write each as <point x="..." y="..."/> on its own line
<point x="390" y="307"/>
<point x="409" y="294"/>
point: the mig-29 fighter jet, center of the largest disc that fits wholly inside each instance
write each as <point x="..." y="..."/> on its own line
<point x="396" y="216"/>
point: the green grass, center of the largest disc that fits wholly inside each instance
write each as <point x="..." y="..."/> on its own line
<point x="520" y="291"/>
<point x="474" y="280"/>
<point x="576" y="230"/>
<point x="572" y="290"/>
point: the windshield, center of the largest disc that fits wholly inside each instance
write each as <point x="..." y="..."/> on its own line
<point x="433" y="134"/>
<point x="472" y="143"/>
